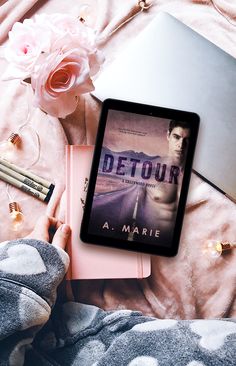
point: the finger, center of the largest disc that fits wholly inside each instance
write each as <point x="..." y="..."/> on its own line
<point x="61" y="236"/>
<point x="41" y="228"/>
<point x="54" y="226"/>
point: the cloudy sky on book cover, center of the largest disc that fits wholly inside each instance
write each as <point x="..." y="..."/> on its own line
<point x="139" y="178"/>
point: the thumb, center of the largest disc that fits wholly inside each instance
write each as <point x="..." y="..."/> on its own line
<point x="61" y="236"/>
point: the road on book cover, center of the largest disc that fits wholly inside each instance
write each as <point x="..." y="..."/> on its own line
<point x="122" y="204"/>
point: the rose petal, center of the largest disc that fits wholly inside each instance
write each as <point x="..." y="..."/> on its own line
<point x="60" y="107"/>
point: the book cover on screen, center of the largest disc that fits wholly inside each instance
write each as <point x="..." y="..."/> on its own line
<point x="139" y="178"/>
<point x="91" y="261"/>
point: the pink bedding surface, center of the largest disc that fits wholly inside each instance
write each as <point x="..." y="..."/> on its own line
<point x="187" y="286"/>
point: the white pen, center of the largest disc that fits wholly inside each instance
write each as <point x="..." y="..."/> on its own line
<point x="26" y="173"/>
<point x="23" y="179"/>
<point x="23" y="187"/>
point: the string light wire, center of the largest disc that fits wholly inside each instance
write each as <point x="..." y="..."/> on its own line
<point x="221" y="13"/>
<point x="27" y="124"/>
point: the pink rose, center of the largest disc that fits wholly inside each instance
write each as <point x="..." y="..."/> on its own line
<point x="57" y="22"/>
<point x="58" y="55"/>
<point x="26" y="43"/>
<point x="60" y="79"/>
<point x="69" y="27"/>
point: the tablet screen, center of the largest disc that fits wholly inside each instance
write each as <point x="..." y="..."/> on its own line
<point x="139" y="178"/>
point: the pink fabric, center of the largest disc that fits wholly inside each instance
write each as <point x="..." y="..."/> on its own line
<point x="11" y="12"/>
<point x="187" y="286"/>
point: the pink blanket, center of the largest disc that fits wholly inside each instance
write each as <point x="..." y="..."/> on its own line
<point x="188" y="286"/>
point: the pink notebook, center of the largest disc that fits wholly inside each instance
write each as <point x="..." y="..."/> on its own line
<point x="90" y="261"/>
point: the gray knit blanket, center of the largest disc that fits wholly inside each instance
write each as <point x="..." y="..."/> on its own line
<point x="35" y="330"/>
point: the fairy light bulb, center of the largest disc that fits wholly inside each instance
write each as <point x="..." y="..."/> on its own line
<point x="214" y="248"/>
<point x="7" y="148"/>
<point x="144" y="4"/>
<point x="16" y="215"/>
<point x="86" y="14"/>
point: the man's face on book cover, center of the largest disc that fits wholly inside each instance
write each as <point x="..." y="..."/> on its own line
<point x="178" y="140"/>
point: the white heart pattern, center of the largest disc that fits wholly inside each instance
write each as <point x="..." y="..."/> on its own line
<point x="90" y="353"/>
<point x="154" y="325"/>
<point x="213" y="332"/>
<point x="144" y="361"/>
<point x="23" y="260"/>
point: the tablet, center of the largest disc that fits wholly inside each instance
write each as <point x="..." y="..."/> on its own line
<point x="139" y="178"/>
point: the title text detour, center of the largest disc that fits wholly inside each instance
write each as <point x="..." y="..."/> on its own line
<point x="147" y="169"/>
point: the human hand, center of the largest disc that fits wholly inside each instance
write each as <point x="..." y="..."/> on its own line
<point x="51" y="230"/>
